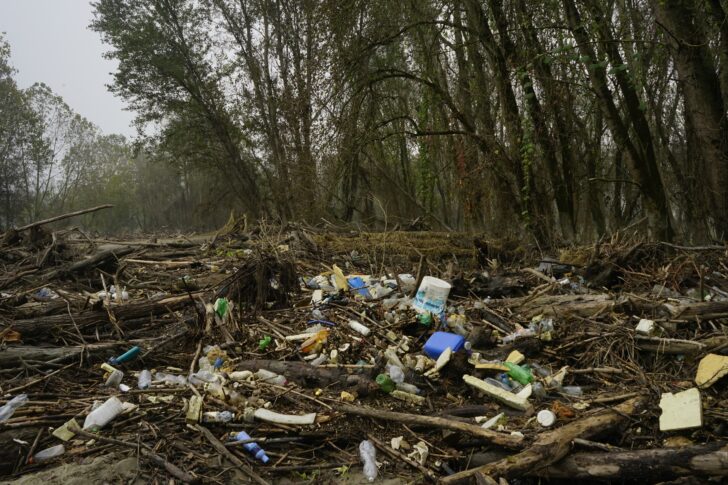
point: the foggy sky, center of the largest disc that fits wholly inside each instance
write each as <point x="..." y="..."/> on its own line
<point x="50" y="42"/>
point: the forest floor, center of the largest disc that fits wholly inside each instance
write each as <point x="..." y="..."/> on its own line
<point x="207" y="313"/>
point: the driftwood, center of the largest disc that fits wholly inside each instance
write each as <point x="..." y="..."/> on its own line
<point x="494" y="437"/>
<point x="310" y="376"/>
<point x="35" y="329"/>
<point x="708" y="460"/>
<point x="551" y="446"/>
<point x="705" y="460"/>
<point x="97" y="259"/>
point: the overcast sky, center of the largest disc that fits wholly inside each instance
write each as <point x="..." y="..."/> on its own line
<point x="51" y="43"/>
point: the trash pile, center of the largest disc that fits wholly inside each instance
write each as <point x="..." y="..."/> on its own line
<point x="267" y="357"/>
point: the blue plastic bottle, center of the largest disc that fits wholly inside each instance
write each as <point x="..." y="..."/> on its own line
<point x="253" y="448"/>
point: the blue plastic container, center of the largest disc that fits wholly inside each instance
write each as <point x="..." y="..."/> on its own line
<point x="439" y="341"/>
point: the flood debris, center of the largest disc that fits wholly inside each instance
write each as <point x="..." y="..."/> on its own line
<point x="253" y="355"/>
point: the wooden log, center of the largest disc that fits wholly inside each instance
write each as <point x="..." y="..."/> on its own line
<point x="36" y="329"/>
<point x="63" y="216"/>
<point x="707" y="460"/>
<point x="553" y="445"/>
<point x="494" y="437"/>
<point x="310" y="376"/>
<point x="96" y="260"/>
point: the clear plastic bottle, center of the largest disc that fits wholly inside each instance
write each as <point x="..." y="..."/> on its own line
<point x="368" y="455"/>
<point x="410" y="388"/>
<point x="102" y="415"/>
<point x="358" y="327"/>
<point x="170" y="379"/>
<point x="48" y="453"/>
<point x="217" y="417"/>
<point x="145" y="379"/>
<point x="271" y="377"/>
<point x="8" y="409"/>
<point x="396" y="373"/>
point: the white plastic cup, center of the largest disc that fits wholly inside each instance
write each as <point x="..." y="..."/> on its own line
<point x="432" y="295"/>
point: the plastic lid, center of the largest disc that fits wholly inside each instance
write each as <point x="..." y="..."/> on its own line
<point x="546" y="418"/>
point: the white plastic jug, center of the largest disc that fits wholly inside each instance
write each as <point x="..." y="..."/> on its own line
<point x="432" y="295"/>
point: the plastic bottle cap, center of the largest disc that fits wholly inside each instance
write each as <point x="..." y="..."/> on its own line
<point x="546" y="418"/>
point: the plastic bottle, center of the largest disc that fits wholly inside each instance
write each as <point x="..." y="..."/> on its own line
<point x="252" y="448"/>
<point x="385" y="383"/>
<point x="572" y="390"/>
<point x="170" y="379"/>
<point x="8" y="409"/>
<point x="523" y="332"/>
<point x="48" y="454"/>
<point x="503" y="385"/>
<point x="271" y="377"/>
<point x="410" y="388"/>
<point x="368" y="455"/>
<point x="203" y="377"/>
<point x="518" y="373"/>
<point x="358" y="327"/>
<point x="538" y="390"/>
<point x="102" y="415"/>
<point x="319" y="360"/>
<point x="396" y="373"/>
<point x="217" y="417"/>
<point x="145" y="379"/>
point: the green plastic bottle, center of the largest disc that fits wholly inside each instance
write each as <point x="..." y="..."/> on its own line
<point x="518" y="373"/>
<point x="425" y="319"/>
<point x="385" y="383"/>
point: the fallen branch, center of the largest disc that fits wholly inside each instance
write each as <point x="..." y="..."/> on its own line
<point x="64" y="216"/>
<point x="551" y="446"/>
<point x="494" y="437"/>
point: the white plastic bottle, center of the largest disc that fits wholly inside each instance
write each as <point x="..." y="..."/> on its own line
<point x="368" y="455"/>
<point x="271" y="377"/>
<point x="8" y="409"/>
<point x="103" y="415"/>
<point x="145" y="379"/>
<point x="358" y="327"/>
<point x="49" y="453"/>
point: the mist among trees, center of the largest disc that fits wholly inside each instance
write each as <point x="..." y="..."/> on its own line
<point x="559" y="121"/>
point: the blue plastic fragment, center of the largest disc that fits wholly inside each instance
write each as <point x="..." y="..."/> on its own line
<point x="358" y="284"/>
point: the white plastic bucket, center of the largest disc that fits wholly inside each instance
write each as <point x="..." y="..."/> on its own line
<point x="432" y="295"/>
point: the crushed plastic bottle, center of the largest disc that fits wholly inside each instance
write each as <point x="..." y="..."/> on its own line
<point x="48" y="454"/>
<point x="368" y="455"/>
<point x="145" y="379"/>
<point x="8" y="409"/>
<point x="217" y="417"/>
<point x="252" y="448"/>
<point x="170" y="379"/>
<point x="103" y="415"/>
<point x="396" y="373"/>
<point x="271" y="377"/>
<point x="203" y="377"/>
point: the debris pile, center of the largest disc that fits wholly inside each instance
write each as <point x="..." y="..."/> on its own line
<point x="268" y="355"/>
